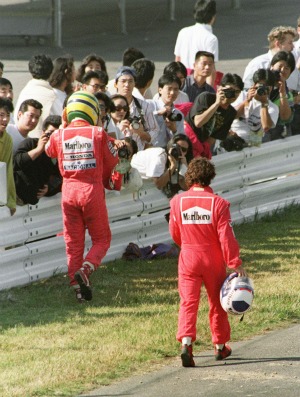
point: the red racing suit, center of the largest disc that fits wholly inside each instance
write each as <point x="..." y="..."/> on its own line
<point x="200" y="224"/>
<point x="86" y="158"/>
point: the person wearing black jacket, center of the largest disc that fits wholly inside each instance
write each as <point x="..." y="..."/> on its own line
<point x="35" y="174"/>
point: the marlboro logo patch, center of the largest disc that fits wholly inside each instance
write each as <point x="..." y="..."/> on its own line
<point x="196" y="210"/>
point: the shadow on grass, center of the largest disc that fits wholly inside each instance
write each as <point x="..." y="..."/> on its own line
<point x="128" y="288"/>
<point x="119" y="288"/>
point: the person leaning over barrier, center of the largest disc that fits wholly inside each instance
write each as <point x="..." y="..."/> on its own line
<point x="211" y="116"/>
<point x="166" y="167"/>
<point x="200" y="223"/>
<point x="35" y="173"/>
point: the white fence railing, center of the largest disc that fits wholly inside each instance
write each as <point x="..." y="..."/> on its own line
<point x="256" y="181"/>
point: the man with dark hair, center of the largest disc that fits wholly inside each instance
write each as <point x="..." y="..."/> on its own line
<point x="35" y="173"/>
<point x="28" y="116"/>
<point x="169" y="119"/>
<point x="130" y="55"/>
<point x="39" y="88"/>
<point x="6" y="89"/>
<point x="6" y="152"/>
<point x="144" y="69"/>
<point x="91" y="82"/>
<point x="177" y="68"/>
<point x="200" y="223"/>
<point x="203" y="68"/>
<point x="199" y="36"/>
<point x="144" y="130"/>
<point x="211" y="116"/>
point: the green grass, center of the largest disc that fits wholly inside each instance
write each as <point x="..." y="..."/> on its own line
<point x="52" y="346"/>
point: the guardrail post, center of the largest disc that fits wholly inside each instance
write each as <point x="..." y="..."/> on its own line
<point x="57" y="19"/>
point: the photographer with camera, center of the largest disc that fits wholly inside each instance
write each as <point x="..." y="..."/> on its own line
<point x="35" y="173"/>
<point x="169" y="119"/>
<point x="124" y="176"/>
<point x="211" y="116"/>
<point x="143" y="127"/>
<point x="256" y="114"/>
<point x="282" y="65"/>
<point x="166" y="167"/>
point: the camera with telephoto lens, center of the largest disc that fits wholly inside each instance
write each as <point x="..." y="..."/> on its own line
<point x="229" y="93"/>
<point x="262" y="89"/>
<point x="135" y="122"/>
<point x="124" y="153"/>
<point x="175" y="151"/>
<point x="173" y="116"/>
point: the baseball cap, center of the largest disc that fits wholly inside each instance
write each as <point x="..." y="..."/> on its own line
<point x="125" y="70"/>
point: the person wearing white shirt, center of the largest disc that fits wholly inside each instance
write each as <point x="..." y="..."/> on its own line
<point x="28" y="117"/>
<point x="143" y="126"/>
<point x="169" y="119"/>
<point x="198" y="37"/>
<point x="256" y="114"/>
<point x="177" y="68"/>
<point x="39" y="88"/>
<point x="145" y="69"/>
<point x="281" y="38"/>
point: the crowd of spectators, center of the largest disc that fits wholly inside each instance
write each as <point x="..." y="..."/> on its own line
<point x="191" y="113"/>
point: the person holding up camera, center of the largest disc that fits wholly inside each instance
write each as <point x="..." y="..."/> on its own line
<point x="282" y="64"/>
<point x="143" y="126"/>
<point x="166" y="167"/>
<point x="211" y="116"/>
<point x="256" y="114"/>
<point x="169" y="119"/>
<point x="35" y="173"/>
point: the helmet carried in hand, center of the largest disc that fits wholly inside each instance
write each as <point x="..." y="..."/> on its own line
<point x="236" y="294"/>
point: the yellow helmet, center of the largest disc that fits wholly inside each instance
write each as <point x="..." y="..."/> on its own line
<point x="83" y="105"/>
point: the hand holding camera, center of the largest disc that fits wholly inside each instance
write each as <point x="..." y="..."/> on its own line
<point x="136" y="125"/>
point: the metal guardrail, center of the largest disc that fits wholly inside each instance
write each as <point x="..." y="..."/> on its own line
<point x="256" y="181"/>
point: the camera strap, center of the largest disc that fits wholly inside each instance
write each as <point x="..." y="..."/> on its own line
<point x="141" y="113"/>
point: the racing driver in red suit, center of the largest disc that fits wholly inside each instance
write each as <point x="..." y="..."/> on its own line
<point x="200" y="224"/>
<point x="86" y="157"/>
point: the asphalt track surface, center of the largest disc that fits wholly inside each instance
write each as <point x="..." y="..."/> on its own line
<point x="267" y="365"/>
